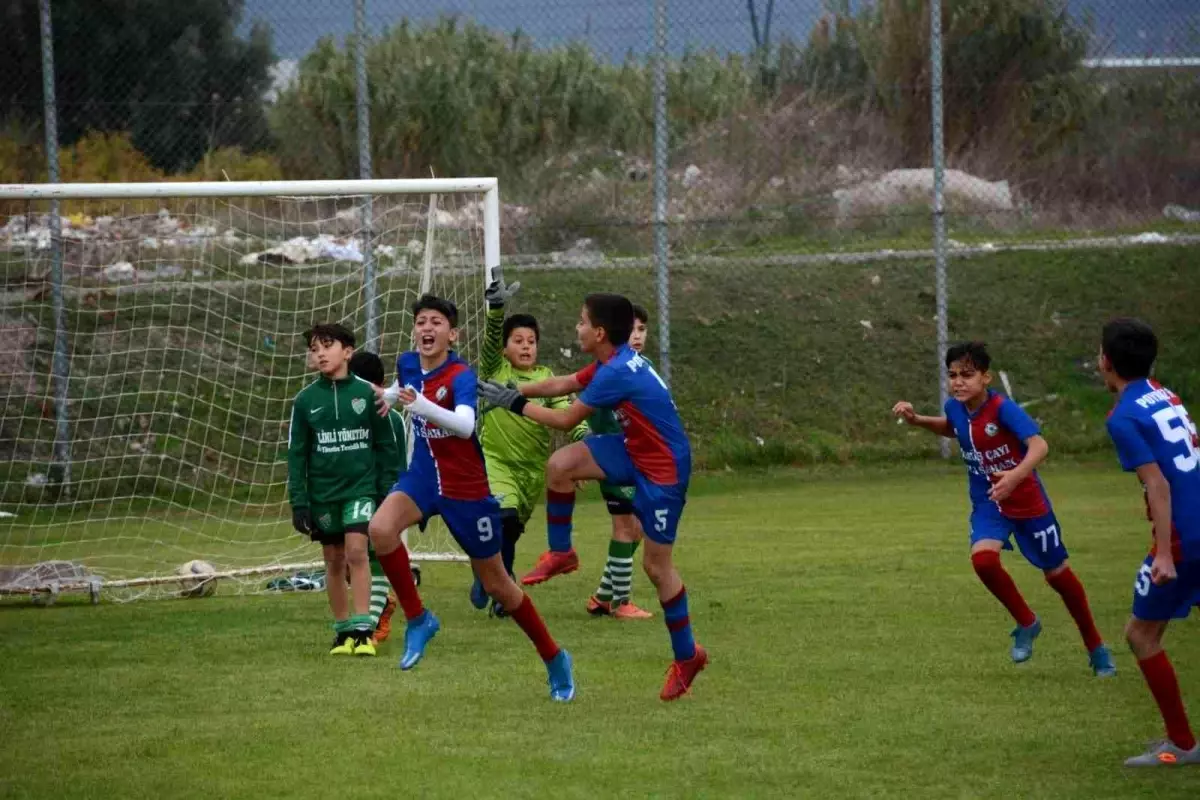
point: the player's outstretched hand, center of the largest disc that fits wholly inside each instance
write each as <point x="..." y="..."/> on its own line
<point x="408" y="396"/>
<point x="1162" y="569"/>
<point x="302" y="520"/>
<point x="381" y="401"/>
<point x="498" y="293"/>
<point x="905" y="412"/>
<point x="500" y="396"/>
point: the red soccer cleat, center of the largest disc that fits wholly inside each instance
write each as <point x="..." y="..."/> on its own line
<point x="550" y="564"/>
<point x="681" y="674"/>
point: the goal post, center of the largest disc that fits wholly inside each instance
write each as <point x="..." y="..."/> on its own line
<point x="183" y="306"/>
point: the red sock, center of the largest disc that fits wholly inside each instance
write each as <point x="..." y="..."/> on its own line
<point x="1160" y="677"/>
<point x="531" y="622"/>
<point x="399" y="574"/>
<point x="997" y="580"/>
<point x="1075" y="599"/>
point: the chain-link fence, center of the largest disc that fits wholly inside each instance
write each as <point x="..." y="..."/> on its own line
<point x="782" y="164"/>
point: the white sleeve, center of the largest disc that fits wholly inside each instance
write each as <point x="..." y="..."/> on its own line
<point x="392" y="394"/>
<point x="460" y="421"/>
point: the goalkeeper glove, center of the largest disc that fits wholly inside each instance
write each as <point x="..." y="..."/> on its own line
<point x="498" y="292"/>
<point x="302" y="521"/>
<point x="501" y="396"/>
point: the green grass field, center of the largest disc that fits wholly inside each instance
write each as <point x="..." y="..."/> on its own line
<point x="854" y="654"/>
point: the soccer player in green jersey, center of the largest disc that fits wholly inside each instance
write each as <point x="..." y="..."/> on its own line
<point x="335" y="443"/>
<point x="612" y="597"/>
<point x="515" y="448"/>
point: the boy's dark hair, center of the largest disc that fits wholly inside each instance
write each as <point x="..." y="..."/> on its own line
<point x="613" y="312"/>
<point x="974" y="353"/>
<point x="641" y="314"/>
<point x="327" y="333"/>
<point x="521" y="321"/>
<point x="430" y="302"/>
<point x="367" y="366"/>
<point x="1131" y="346"/>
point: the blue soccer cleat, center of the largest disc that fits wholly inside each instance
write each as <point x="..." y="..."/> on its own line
<point x="479" y="598"/>
<point x="416" y="636"/>
<point x="1102" y="662"/>
<point x="1022" y="648"/>
<point x="562" y="682"/>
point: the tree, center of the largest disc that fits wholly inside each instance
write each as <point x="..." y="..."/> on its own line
<point x="1013" y="80"/>
<point x="176" y="76"/>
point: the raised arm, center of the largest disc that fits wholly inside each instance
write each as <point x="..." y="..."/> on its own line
<point x="491" y="356"/>
<point x="507" y="397"/>
<point x="559" y="419"/>
<point x="558" y="386"/>
<point x="497" y="295"/>
<point x="939" y="424"/>
<point x="562" y="403"/>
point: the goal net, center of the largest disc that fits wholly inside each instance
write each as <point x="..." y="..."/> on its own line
<point x="147" y="429"/>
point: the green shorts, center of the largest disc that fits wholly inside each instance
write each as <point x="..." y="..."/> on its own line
<point x="619" y="499"/>
<point x="518" y="489"/>
<point x="335" y="520"/>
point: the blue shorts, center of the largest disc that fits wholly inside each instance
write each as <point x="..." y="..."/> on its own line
<point x="1039" y="538"/>
<point x="657" y="507"/>
<point x="1172" y="601"/>
<point x="474" y="524"/>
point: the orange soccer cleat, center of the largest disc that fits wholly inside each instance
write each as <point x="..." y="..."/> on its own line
<point x="384" y="629"/>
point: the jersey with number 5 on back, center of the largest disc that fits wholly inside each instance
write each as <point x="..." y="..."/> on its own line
<point x="1149" y="424"/>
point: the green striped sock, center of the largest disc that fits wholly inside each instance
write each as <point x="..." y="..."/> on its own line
<point x="361" y="623"/>
<point x="379" y="593"/>
<point x="617" y="582"/>
<point x="341" y="626"/>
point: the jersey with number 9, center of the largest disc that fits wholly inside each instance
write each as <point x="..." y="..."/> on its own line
<point x="1150" y="425"/>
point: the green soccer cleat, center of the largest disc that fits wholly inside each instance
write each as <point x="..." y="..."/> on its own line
<point x="364" y="644"/>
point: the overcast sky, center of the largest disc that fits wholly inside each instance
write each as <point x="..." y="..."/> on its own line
<point x="614" y="27"/>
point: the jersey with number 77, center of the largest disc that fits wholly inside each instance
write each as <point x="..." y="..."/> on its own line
<point x="1149" y="425"/>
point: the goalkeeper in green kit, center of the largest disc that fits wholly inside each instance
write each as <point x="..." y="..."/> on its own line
<point x="337" y="448"/>
<point x="515" y="449"/>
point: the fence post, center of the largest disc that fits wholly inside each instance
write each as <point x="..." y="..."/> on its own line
<point x="939" y="199"/>
<point x="362" y="108"/>
<point x="661" y="242"/>
<point x="60" y="366"/>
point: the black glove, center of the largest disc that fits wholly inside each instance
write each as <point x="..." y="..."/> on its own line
<point x="302" y="521"/>
<point x="495" y="394"/>
<point x="498" y="292"/>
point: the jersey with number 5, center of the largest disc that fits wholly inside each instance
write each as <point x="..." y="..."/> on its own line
<point x="1149" y="425"/>
<point x="654" y="436"/>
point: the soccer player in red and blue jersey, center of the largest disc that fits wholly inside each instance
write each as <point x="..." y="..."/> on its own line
<point x="652" y="454"/>
<point x="1002" y="447"/>
<point x="1156" y="439"/>
<point x="447" y="477"/>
